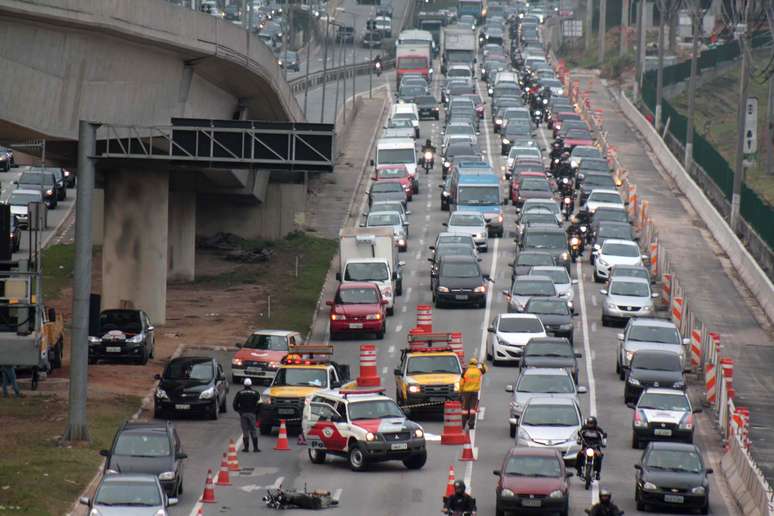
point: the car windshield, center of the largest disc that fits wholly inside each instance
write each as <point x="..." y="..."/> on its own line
<point x="535" y="185"/>
<point x="454" y="250"/>
<point x="546" y="383"/>
<point x="395" y="156"/>
<point x="23" y="198"/>
<point x="526" y="466"/>
<point x="460" y="270"/>
<point x="425" y="100"/>
<point x="473" y="195"/>
<point x="383" y="219"/>
<point x="616" y="249"/>
<point x="664" y="335"/>
<point x="550" y="415"/>
<point x="459" y="129"/>
<point x="547" y="307"/>
<point x="135" y="494"/>
<point x="632" y="272"/>
<point x="36" y="178"/>
<point x="551" y="206"/>
<point x="136" y="444"/>
<point x="387" y="206"/>
<point x="539" y="218"/>
<point x="300" y="377"/>
<point x="189" y="370"/>
<point x="374" y="409"/>
<point x="630" y="288"/>
<point x="454" y="239"/>
<point x="366" y="272"/>
<point x="586" y="152"/>
<point x="520" y="325"/>
<point x="657" y="361"/>
<point x="412" y="91"/>
<point x="385" y="187"/>
<point x="401" y="123"/>
<point x="613" y="215"/>
<point x="549" y="349"/>
<point x="578" y="134"/>
<point x="267" y="342"/>
<point x="459" y="72"/>
<point x="559" y="275"/>
<point x="612" y="198"/>
<point x="596" y="164"/>
<point x="622" y="232"/>
<point x="459" y="219"/>
<point x="127" y="321"/>
<point x="386" y="173"/>
<point x="545" y="240"/>
<point x="654" y="401"/>
<point x="528" y="259"/>
<point x="534" y="288"/>
<point x="674" y="460"/>
<point x="433" y="364"/>
<point x="357" y="296"/>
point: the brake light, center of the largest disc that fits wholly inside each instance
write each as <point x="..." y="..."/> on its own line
<point x="639" y="418"/>
<point x="687" y="422"/>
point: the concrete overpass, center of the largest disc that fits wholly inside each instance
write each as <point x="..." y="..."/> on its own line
<point x="143" y="62"/>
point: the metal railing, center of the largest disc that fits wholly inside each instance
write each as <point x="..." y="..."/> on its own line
<point x="300" y="84"/>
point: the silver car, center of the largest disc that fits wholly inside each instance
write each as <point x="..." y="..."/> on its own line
<point x="647" y="333"/>
<point x="540" y="382"/>
<point x="129" y="494"/>
<point x="469" y="223"/>
<point x="392" y="219"/>
<point x="625" y="298"/>
<point x="562" y="282"/>
<point x="551" y="423"/>
<point x="526" y="287"/>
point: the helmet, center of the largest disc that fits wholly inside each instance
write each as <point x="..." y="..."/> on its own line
<point x="473" y="361"/>
<point x="428" y="142"/>
<point x="248" y="382"/>
<point x="604" y="496"/>
<point x="459" y="487"/>
<point x="565" y="155"/>
<point x="591" y="421"/>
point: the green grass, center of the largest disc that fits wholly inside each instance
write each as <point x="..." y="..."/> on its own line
<point x="58" y="261"/>
<point x="37" y="475"/>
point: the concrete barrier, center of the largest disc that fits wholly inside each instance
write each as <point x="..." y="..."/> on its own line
<point x="751" y="491"/>
<point x="748" y="269"/>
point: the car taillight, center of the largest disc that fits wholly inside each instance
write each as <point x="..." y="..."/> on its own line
<point x="687" y="422"/>
<point x="639" y="419"/>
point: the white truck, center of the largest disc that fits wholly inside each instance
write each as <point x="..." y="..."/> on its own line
<point x="369" y="254"/>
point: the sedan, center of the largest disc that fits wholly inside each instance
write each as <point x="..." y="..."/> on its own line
<point x="530" y="187"/>
<point x="427" y="105"/>
<point x="509" y="333"/>
<point x="540" y="383"/>
<point x="653" y="368"/>
<point x="357" y="308"/>
<point x="555" y="315"/>
<point x="551" y="423"/>
<point x="526" y="260"/>
<point x="551" y="352"/>
<point x="662" y="415"/>
<point x="469" y="223"/>
<point x="129" y="494"/>
<point x="615" y="252"/>
<point x="647" y="333"/>
<point x="448" y="249"/>
<point x="390" y="219"/>
<point x="532" y="481"/>
<point x="526" y="287"/>
<point x="460" y="282"/>
<point x="604" y="199"/>
<point x="561" y="279"/>
<point x="191" y="384"/>
<point x="399" y="174"/>
<point x="387" y="190"/>
<point x="626" y="298"/>
<point x="672" y="475"/>
<point x="630" y="271"/>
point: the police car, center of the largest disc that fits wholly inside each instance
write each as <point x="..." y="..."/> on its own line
<point x="362" y="425"/>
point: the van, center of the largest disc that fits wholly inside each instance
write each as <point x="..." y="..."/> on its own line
<point x="505" y="77"/>
<point x="406" y="111"/>
<point x="478" y="189"/>
<point x="392" y="152"/>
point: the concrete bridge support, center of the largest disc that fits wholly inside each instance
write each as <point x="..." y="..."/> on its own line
<point x="182" y="236"/>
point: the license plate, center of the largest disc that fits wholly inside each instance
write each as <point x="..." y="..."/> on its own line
<point x="254" y="370"/>
<point x="399" y="446"/>
<point x="437" y="398"/>
<point x="113" y="349"/>
<point x="285" y="411"/>
<point x="531" y="503"/>
<point x="356" y="325"/>
<point x="181" y="406"/>
<point x="664" y="432"/>
<point x="461" y="297"/>
<point x="674" y="499"/>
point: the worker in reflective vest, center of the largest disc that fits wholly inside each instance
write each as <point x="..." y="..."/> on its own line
<point x="470" y="386"/>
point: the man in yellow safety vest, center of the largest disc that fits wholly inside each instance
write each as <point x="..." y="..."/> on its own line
<point x="470" y="385"/>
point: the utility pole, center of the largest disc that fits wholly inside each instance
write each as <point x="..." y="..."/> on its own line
<point x="639" y="59"/>
<point x="695" y="12"/>
<point x="736" y="196"/>
<point x="308" y="38"/>
<point x="770" y="128"/>
<point x="338" y="76"/>
<point x="602" y="29"/>
<point x="660" y="72"/>
<point x="589" y="23"/>
<point x="325" y="67"/>
<point x="624" y="28"/>
<point x="77" y="426"/>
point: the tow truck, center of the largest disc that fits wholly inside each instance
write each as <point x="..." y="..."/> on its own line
<point x="305" y="370"/>
<point x="362" y="425"/>
<point x="429" y="373"/>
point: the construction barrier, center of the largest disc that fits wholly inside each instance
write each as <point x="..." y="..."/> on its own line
<point x="452" y="423"/>
<point x="457" y="346"/>
<point x="369" y="376"/>
<point x="425" y="318"/>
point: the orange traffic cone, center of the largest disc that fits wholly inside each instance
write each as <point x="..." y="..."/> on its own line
<point x="450" y="483"/>
<point x="223" y="478"/>
<point x="282" y="438"/>
<point x="209" y="490"/>
<point x="233" y="462"/>
<point x="467" y="450"/>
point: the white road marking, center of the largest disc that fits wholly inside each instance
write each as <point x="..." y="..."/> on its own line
<point x="429" y="204"/>
<point x="384" y="370"/>
<point x="594" y="326"/>
<point x="399" y="327"/>
<point x="427" y="217"/>
<point x="391" y="350"/>
<point x="277" y="483"/>
<point x="481" y="413"/>
<point x="418" y="255"/>
<point x="403" y="309"/>
<point x="593" y="300"/>
<point x="337" y="494"/>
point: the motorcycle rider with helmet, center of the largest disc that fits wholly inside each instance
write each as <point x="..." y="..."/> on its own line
<point x="590" y="435"/>
<point x="460" y="501"/>
<point x="605" y="506"/>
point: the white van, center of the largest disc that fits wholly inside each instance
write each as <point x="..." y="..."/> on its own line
<point x="407" y="111"/>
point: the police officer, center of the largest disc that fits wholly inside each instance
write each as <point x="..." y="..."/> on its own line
<point x="605" y="507"/>
<point x="248" y="403"/>
<point x="470" y="385"/>
<point x="460" y="501"/>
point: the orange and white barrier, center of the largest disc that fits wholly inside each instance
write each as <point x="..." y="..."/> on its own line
<point x="425" y="318"/>
<point x="369" y="376"/>
<point x="666" y="289"/>
<point x="654" y="258"/>
<point x="452" y="423"/>
<point x="710" y="384"/>
<point x="696" y="342"/>
<point x="677" y="311"/>
<point x="457" y="346"/>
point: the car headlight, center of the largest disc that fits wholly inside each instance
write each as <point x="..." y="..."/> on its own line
<point x="387" y="292"/>
<point x="699" y="490"/>
<point x="649" y="486"/>
<point x="565" y="326"/>
<point x="545" y="101"/>
<point x="236" y="362"/>
<point x="555" y="494"/>
<point x="94" y="512"/>
<point x="207" y="394"/>
<point x="629" y="355"/>
<point x="373" y="317"/>
<point x="480" y="289"/>
<point x="500" y="218"/>
<point x="678" y="385"/>
<point x="523" y="435"/>
<point x="498" y="121"/>
<point x="506" y="492"/>
<point x="506" y="141"/>
<point x="443" y="289"/>
<point x="537" y="112"/>
<point x="94" y="340"/>
<point x="161" y="394"/>
<point x="167" y="475"/>
<point x="602" y="262"/>
<point x="338" y="317"/>
<point x="49" y="192"/>
<point x="457" y="386"/>
<point x="611" y="306"/>
<point x="273" y="365"/>
<point x="634" y="381"/>
<point x="370" y="436"/>
<point x="414" y="389"/>
<point x="401" y="241"/>
<point x="135" y="339"/>
<point x="418" y="433"/>
<point x="564" y="256"/>
<point x="446" y="164"/>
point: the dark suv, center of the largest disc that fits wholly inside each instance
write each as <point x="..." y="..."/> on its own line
<point x="191" y="385"/>
<point x="122" y="334"/>
<point x="148" y="447"/>
<point x="547" y="238"/>
<point x="44" y="182"/>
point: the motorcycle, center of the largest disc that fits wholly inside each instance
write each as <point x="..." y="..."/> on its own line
<point x="587" y="510"/>
<point x="378" y="67"/>
<point x="537" y="117"/>
<point x="590" y="455"/>
<point x="568" y="205"/>
<point x="428" y="162"/>
<point x="577" y="245"/>
<point x="290" y="498"/>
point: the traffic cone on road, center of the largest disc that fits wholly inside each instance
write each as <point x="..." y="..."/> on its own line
<point x="467" y="449"/>
<point x="282" y="438"/>
<point x="233" y="462"/>
<point x="223" y="478"/>
<point x="208" y="496"/>
<point x="450" y="483"/>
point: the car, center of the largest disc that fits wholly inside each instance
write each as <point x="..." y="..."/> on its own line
<point x="532" y="481"/>
<point x="562" y="281"/>
<point x="395" y="173"/>
<point x="581" y="151"/>
<point x="391" y="206"/>
<point x="540" y="382"/>
<point x="453" y="238"/>
<point x="551" y="352"/>
<point x="530" y="187"/>
<point x="19" y="201"/>
<point x="662" y="415"/>
<point x="647" y="333"/>
<point x="345" y="34"/>
<point x="129" y="494"/>
<point x="149" y="447"/>
<point x="363" y="427"/>
<point x="608" y="214"/>
<point x="191" y="384"/>
<point x="448" y="249"/>
<point x="6" y="159"/>
<point x="259" y="356"/>
<point x="289" y="60"/>
<point x="15" y="236"/>
<point x="123" y="334"/>
<point x="426" y="378"/>
<point x="372" y="39"/>
<point x="599" y="198"/>
<point x="630" y="271"/>
<point x="460" y="282"/>
<point x="548" y="238"/>
<point x="407" y="93"/>
<point x="606" y="230"/>
<point x="509" y="333"/>
<point x="469" y="223"/>
<point x="532" y="218"/>
<point x="615" y="252"/>
<point x="672" y="475"/>
<point x="387" y="190"/>
<point x="542" y="204"/>
<point x="44" y="182"/>
<point x="526" y="287"/>
<point x="627" y="297"/>
<point x="593" y="180"/>
<point x="554" y="420"/>
<point x="427" y="105"/>
<point x="554" y="313"/>
<point x="653" y="368"/>
<point x="357" y="308"/>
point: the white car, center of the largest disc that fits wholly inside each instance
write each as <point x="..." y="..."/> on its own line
<point x="19" y="201"/>
<point x="604" y="199"/>
<point x="615" y="252"/>
<point x="509" y="334"/>
<point x="562" y="281"/>
<point x="515" y="152"/>
<point x="469" y="223"/>
<point x="551" y="423"/>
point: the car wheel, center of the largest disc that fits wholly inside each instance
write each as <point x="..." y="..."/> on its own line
<point x="635" y="441"/>
<point x="499" y="511"/>
<point x="489" y="354"/>
<point x="316" y="456"/>
<point x="213" y="412"/>
<point x="380" y="334"/>
<point x="357" y="458"/>
<point x="597" y="278"/>
<point x="56" y="363"/>
<point x="334" y="336"/>
<point x="265" y="428"/>
<point x="621" y="374"/>
<point x="605" y="321"/>
<point x="92" y="361"/>
<point x="566" y="510"/>
<point x="640" y="504"/>
<point x="512" y="430"/>
<point x="144" y="358"/>
<point x="705" y="509"/>
<point x="416" y="461"/>
<point x="223" y="406"/>
<point x="158" y="412"/>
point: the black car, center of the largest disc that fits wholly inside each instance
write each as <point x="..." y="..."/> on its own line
<point x="59" y="180"/>
<point x="672" y="475"/>
<point x="373" y="39"/>
<point x="547" y="238"/>
<point x="512" y="132"/>
<point x="6" y="159"/>
<point x="191" y="385"/>
<point x="551" y="352"/>
<point x="456" y="149"/>
<point x="288" y="60"/>
<point x="409" y="92"/>
<point x="555" y="314"/>
<point x="460" y="282"/>
<point x="386" y="191"/>
<point x="609" y="229"/>
<point x="124" y="334"/>
<point x="594" y="181"/>
<point x="15" y="235"/>
<point x="44" y="182"/>
<point x="653" y="368"/>
<point x="345" y="34"/>
<point x="525" y="260"/>
<point x="427" y="106"/>
<point x="608" y="214"/>
<point x="447" y="249"/>
<point x="148" y="447"/>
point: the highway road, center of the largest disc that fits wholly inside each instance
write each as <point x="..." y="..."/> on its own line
<point x="391" y="489"/>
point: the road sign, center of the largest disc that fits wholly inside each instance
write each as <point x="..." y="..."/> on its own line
<point x="751" y="126"/>
<point x="572" y="28"/>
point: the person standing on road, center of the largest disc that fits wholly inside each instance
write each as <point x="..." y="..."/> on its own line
<point x="8" y="372"/>
<point x="248" y="403"/>
<point x="470" y="386"/>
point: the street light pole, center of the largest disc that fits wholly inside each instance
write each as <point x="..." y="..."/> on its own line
<point x="308" y="38"/>
<point x="660" y="72"/>
<point x="602" y="29"/>
<point x="736" y="195"/>
<point x="325" y="67"/>
<point x="640" y="57"/>
<point x="696" y="12"/>
<point x="338" y="76"/>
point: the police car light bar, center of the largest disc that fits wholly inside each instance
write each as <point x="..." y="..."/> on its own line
<point x="375" y="390"/>
<point x="310" y="349"/>
<point x="427" y="339"/>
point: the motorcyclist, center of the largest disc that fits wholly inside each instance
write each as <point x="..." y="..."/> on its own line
<point x="428" y="155"/>
<point x="605" y="507"/>
<point x="590" y="435"/>
<point x="378" y="64"/>
<point x="563" y="168"/>
<point x="460" y="501"/>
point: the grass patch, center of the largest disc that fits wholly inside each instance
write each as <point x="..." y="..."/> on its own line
<point x="37" y="476"/>
<point x="58" y="261"/>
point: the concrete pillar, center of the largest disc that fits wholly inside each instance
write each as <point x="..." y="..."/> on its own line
<point x="134" y="252"/>
<point x="98" y="216"/>
<point x="182" y="236"/>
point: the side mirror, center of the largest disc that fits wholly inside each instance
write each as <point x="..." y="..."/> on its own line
<point x="686" y="341"/>
<point x="338" y="276"/>
<point x="181" y="456"/>
<point x="638" y="467"/>
<point x="157" y="376"/>
<point x="329" y="302"/>
<point x="582" y="389"/>
<point x="396" y="372"/>
<point x="644" y="256"/>
<point x="85" y="500"/>
<point x="431" y="247"/>
<point x="574" y="282"/>
<point x="603" y="291"/>
<point x="431" y="260"/>
<point x="575" y="314"/>
<point x="445" y="224"/>
<point x="578" y="355"/>
<point x="569" y="474"/>
<point x="105" y="453"/>
<point x="631" y="404"/>
<point x="486" y="277"/>
<point x="171" y="501"/>
<point x="509" y="388"/>
<point x="697" y="411"/>
<point x="151" y="328"/>
<point x="710" y="471"/>
<point x="491" y="329"/>
<point x="654" y="295"/>
<point x="385" y="302"/>
<point x="238" y="344"/>
<point x="371" y="162"/>
<point x="506" y="293"/>
<point x="496" y="472"/>
<point x="401" y="264"/>
<point x="375" y="178"/>
<point x="619" y="336"/>
<point x="440" y="186"/>
<point x="518" y="210"/>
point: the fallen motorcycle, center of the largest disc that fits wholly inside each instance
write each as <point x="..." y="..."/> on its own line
<point x="291" y="499"/>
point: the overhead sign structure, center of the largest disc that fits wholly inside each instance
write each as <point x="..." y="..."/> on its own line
<point x="572" y="28"/>
<point x="751" y="126"/>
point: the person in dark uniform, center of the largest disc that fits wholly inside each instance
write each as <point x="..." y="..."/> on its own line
<point x="460" y="501"/>
<point x="248" y="403"/>
<point x="605" y="507"/>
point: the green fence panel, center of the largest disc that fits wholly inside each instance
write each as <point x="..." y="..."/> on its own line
<point x="678" y="124"/>
<point x="708" y="59"/>
<point x="714" y="164"/>
<point x="758" y="213"/>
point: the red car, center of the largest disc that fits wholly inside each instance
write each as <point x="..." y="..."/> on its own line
<point x="358" y="308"/>
<point x="532" y="481"/>
<point x="396" y="173"/>
<point x="555" y="122"/>
<point x="530" y="185"/>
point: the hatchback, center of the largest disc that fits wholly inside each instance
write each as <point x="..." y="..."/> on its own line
<point x="615" y="252"/>
<point x="129" y="494"/>
<point x="357" y="308"/>
<point x="653" y="368"/>
<point x="532" y="481"/>
<point x="647" y="333"/>
<point x="526" y="287"/>
<point x="469" y="223"/>
<point x="627" y="297"/>
<point x="555" y="314"/>
<point x="662" y="415"/>
<point x="509" y="333"/>
<point x="460" y="282"/>
<point x="540" y="383"/>
<point x="553" y="423"/>
<point x="551" y="352"/>
<point x="191" y="385"/>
